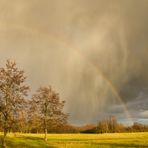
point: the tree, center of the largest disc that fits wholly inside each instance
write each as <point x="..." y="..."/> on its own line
<point x="109" y="125"/>
<point x="103" y="126"/>
<point x="112" y="124"/>
<point x="49" y="108"/>
<point x="137" y="127"/>
<point x="12" y="95"/>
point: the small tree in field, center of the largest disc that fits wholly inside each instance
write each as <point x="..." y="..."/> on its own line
<point x="50" y="107"/>
<point x="12" y="93"/>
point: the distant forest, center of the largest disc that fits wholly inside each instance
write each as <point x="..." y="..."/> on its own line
<point x="43" y="111"/>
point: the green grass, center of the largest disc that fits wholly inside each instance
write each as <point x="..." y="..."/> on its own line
<point x="121" y="140"/>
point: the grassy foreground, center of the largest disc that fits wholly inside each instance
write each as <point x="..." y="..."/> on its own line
<point x="121" y="140"/>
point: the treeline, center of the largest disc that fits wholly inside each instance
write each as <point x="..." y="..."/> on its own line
<point x="111" y="125"/>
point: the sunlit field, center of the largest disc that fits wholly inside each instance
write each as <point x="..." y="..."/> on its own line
<point x="120" y="140"/>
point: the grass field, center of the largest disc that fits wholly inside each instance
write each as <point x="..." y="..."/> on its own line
<point x="121" y="140"/>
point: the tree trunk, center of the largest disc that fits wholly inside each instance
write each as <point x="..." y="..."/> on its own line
<point x="45" y="122"/>
<point x="45" y="138"/>
<point x="3" y="140"/>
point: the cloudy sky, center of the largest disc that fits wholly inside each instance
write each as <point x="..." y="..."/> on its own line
<point x="94" y="53"/>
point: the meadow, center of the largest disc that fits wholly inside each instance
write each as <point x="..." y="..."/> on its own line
<point x="117" y="140"/>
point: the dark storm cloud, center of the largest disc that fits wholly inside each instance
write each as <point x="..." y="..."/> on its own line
<point x="79" y="47"/>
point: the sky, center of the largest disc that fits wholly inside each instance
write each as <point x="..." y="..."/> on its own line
<point x="93" y="53"/>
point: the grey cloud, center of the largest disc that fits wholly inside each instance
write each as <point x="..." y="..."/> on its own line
<point x="144" y="114"/>
<point x="81" y="47"/>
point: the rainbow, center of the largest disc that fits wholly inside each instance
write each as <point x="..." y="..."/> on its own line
<point x="45" y="35"/>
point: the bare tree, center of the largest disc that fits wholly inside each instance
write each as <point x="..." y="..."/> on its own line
<point x="50" y="107"/>
<point x="12" y="93"/>
<point x="103" y="126"/>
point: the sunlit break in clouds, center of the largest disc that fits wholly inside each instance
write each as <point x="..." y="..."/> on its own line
<point x="94" y="53"/>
